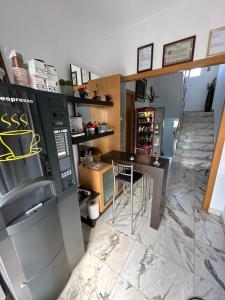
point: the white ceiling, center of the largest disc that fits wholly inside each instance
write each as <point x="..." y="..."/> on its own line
<point x="112" y="15"/>
<point x="102" y="35"/>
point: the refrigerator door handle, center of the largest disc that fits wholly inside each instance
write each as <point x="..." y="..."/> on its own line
<point x="25" y="188"/>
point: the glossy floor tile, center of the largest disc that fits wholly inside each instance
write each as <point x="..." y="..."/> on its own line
<point x="112" y="248"/>
<point x="185" y="257"/>
<point x="124" y="290"/>
<point x="156" y="276"/>
<point x="91" y="279"/>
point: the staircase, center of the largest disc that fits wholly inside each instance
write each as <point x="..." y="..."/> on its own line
<point x="195" y="142"/>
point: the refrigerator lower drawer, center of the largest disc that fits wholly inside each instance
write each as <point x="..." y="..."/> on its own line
<point x="51" y="281"/>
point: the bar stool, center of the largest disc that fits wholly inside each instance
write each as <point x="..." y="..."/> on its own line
<point x="128" y="177"/>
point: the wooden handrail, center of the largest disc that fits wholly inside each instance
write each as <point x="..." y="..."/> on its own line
<point x="215" y="162"/>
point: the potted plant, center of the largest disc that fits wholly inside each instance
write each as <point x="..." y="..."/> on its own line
<point x="82" y="91"/>
<point x="66" y="87"/>
<point x="151" y="96"/>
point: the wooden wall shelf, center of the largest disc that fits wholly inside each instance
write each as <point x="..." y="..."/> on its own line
<point x="80" y="101"/>
<point x="86" y="138"/>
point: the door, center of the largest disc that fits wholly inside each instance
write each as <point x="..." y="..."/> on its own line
<point x="130" y="120"/>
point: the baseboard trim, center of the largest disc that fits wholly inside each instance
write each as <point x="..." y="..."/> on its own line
<point x="215" y="212"/>
<point x="218" y="213"/>
<point x="223" y="223"/>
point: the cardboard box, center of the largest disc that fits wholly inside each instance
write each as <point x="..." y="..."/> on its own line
<point x="52" y="81"/>
<point x="53" y="89"/>
<point x="38" y="83"/>
<point x="37" y="68"/>
<point x="20" y="76"/>
<point x="53" y="86"/>
<point x="52" y="78"/>
<point x="51" y="70"/>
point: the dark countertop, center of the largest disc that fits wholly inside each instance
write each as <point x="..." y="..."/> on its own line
<point x="143" y="159"/>
<point x="145" y="164"/>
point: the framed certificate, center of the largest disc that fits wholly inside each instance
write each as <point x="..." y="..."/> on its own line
<point x="144" y="58"/>
<point x="178" y="52"/>
<point x="85" y="76"/>
<point x="216" y="44"/>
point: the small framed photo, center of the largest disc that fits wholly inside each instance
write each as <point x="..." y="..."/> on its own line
<point x="74" y="77"/>
<point x="179" y="52"/>
<point x="141" y="86"/>
<point x="3" y="71"/>
<point x="145" y="58"/>
<point x="216" y="44"/>
<point x="85" y="76"/>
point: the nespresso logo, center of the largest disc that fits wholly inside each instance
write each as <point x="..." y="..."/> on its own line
<point x="20" y="100"/>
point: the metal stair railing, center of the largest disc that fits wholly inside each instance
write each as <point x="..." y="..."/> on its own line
<point x="181" y="113"/>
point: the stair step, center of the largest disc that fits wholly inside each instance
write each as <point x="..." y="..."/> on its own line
<point x="194" y="154"/>
<point x="191" y="132"/>
<point x="205" y="164"/>
<point x="195" y="146"/>
<point x="198" y="113"/>
<point x="197" y="125"/>
<point x="196" y="119"/>
<point x="196" y="138"/>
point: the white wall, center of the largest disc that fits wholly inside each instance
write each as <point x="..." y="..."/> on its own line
<point x="218" y="101"/>
<point x="223" y="215"/>
<point x="168" y="88"/>
<point x="186" y="18"/>
<point x="131" y="86"/>
<point x="78" y="32"/>
<point x="196" y="89"/>
<point x="218" y="196"/>
<point x="53" y="30"/>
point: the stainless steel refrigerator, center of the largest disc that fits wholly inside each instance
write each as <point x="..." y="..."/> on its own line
<point x="40" y="229"/>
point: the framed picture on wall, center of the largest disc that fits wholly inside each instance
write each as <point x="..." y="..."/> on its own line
<point x="3" y="71"/>
<point x="74" y="77"/>
<point x="178" y="52"/>
<point x="145" y="58"/>
<point x="140" y="93"/>
<point x="85" y="76"/>
<point x="216" y="43"/>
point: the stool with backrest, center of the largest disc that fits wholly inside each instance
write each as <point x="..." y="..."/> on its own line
<point x="128" y="177"/>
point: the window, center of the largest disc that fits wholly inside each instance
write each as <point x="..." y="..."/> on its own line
<point x="175" y="123"/>
<point x="193" y="72"/>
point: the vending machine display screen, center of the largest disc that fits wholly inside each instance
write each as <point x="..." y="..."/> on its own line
<point x="61" y="140"/>
<point x="61" y="143"/>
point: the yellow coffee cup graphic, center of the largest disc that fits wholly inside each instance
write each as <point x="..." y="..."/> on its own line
<point x="19" y="144"/>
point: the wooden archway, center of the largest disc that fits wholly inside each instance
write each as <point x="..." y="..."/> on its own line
<point x="201" y="63"/>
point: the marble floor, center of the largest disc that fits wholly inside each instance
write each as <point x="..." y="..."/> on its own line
<point x="184" y="258"/>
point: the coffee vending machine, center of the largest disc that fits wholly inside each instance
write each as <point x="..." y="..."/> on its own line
<point x="40" y="229"/>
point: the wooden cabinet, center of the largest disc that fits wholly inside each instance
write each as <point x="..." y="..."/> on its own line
<point x="109" y="114"/>
<point x="101" y="181"/>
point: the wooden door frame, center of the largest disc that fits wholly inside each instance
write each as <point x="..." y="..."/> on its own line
<point x="215" y="162"/>
<point x="201" y="63"/>
<point x="132" y="93"/>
